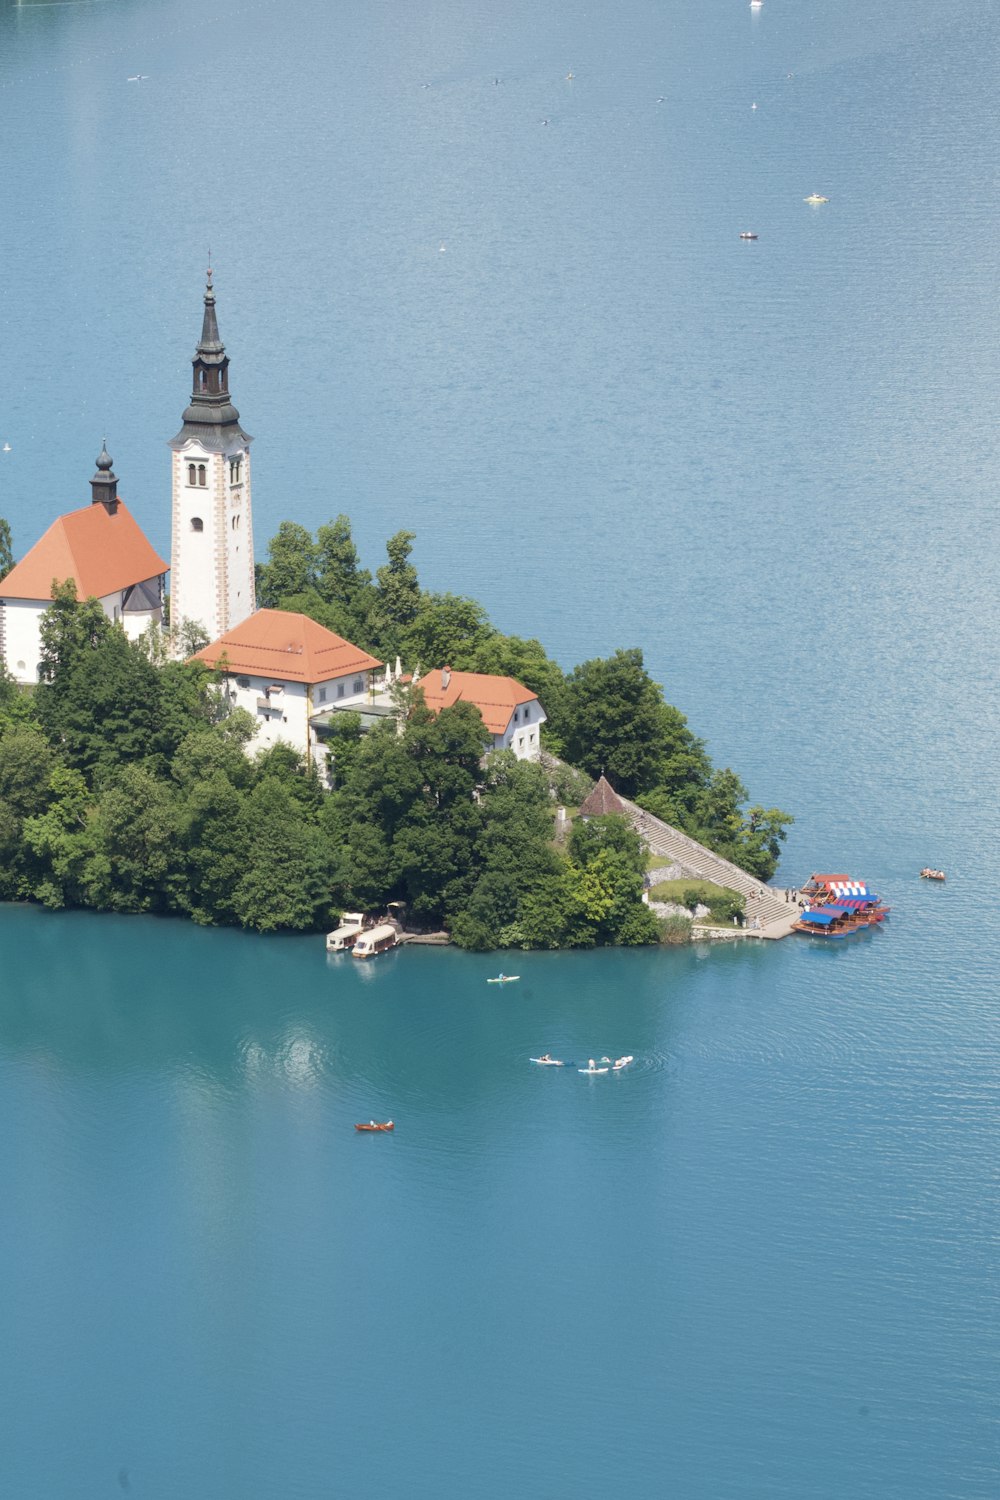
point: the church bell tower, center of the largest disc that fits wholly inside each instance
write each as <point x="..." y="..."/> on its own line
<point x="212" y="570"/>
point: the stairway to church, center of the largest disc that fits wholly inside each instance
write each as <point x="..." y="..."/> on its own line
<point x="776" y="916"/>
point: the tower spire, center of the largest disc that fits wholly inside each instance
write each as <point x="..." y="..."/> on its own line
<point x="211" y="417"/>
<point x="104" y="485"/>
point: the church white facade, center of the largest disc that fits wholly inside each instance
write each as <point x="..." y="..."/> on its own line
<point x="212" y="563"/>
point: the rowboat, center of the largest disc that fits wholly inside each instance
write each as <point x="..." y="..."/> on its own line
<point x="504" y="979"/>
<point x="932" y="874"/>
<point x="376" y="1125"/>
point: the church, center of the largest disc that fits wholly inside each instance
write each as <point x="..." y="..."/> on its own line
<point x="290" y="673"/>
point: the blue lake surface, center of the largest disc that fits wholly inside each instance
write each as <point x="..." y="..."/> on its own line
<point x="763" y="1262"/>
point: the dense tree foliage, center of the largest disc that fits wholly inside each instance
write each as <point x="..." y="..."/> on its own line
<point x="125" y="786"/>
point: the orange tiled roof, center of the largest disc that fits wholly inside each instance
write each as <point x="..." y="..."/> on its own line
<point x="278" y="644"/>
<point x="101" y="551"/>
<point x="495" y="697"/>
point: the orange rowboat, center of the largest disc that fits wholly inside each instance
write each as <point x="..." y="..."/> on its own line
<point x="376" y="1125"/>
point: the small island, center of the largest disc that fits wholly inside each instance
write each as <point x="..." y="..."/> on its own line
<point x="126" y="784"/>
<point x="278" y="743"/>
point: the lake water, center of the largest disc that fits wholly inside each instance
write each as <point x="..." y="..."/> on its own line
<point x="762" y="1262"/>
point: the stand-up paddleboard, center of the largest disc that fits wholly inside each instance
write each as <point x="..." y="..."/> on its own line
<point x="592" y="1070"/>
<point x="504" y="979"/>
<point x="548" y="1062"/>
<point x="622" y="1062"/>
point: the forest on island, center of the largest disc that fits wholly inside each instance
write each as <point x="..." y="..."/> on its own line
<point x="125" y="786"/>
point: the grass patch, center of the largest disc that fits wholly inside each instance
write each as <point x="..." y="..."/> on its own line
<point x="708" y="892"/>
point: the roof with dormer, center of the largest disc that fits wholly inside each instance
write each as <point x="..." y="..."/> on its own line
<point x="495" y="697"/>
<point x="277" y="644"/>
<point x="102" y="548"/>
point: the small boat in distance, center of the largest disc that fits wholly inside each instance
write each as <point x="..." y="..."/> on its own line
<point x="928" y="874"/>
<point x="815" y="198"/>
<point x="377" y="1125"/>
<point x="504" y="979"/>
<point x="747" y="235"/>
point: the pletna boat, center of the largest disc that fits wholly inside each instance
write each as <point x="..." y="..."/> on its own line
<point x="377" y="1125"/>
<point x="928" y="874"/>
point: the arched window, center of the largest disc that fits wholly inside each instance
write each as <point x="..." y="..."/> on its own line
<point x="197" y="524"/>
<point x="192" y="474"/>
<point x="236" y="523"/>
<point x="201" y="475"/>
<point x="203" y="379"/>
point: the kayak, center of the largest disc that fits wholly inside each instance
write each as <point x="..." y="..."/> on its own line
<point x="376" y="1125"/>
<point x="504" y="979"/>
<point x="547" y="1062"/>
<point x="623" y="1062"/>
<point x="591" y="1070"/>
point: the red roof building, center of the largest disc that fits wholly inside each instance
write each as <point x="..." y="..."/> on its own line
<point x="103" y="550"/>
<point x="510" y="711"/>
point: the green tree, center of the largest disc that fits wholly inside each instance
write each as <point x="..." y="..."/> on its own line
<point x="446" y="629"/>
<point x="397" y="595"/>
<point x="26" y="763"/>
<point x="217" y="840"/>
<point x="60" y="838"/>
<point x="290" y="567"/>
<point x="6" y="549"/>
<point x="135" y="836"/>
<point x="343" y="585"/>
<point x="107" y="712"/>
<point x="613" y="720"/>
<point x="69" y="630"/>
<point x="591" y="836"/>
<point x="287" y="879"/>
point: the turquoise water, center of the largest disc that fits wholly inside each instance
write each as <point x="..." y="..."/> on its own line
<point x="762" y="1262"/>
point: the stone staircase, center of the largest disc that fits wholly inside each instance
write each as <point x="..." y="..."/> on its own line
<point x="775" y="913"/>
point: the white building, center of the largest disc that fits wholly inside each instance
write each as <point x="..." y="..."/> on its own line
<point x="104" y="551"/>
<point x="284" y="668"/>
<point x="212" y="565"/>
<point x="511" y="712"/>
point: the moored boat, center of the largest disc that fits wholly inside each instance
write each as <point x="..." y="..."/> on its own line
<point x="375" y="941"/>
